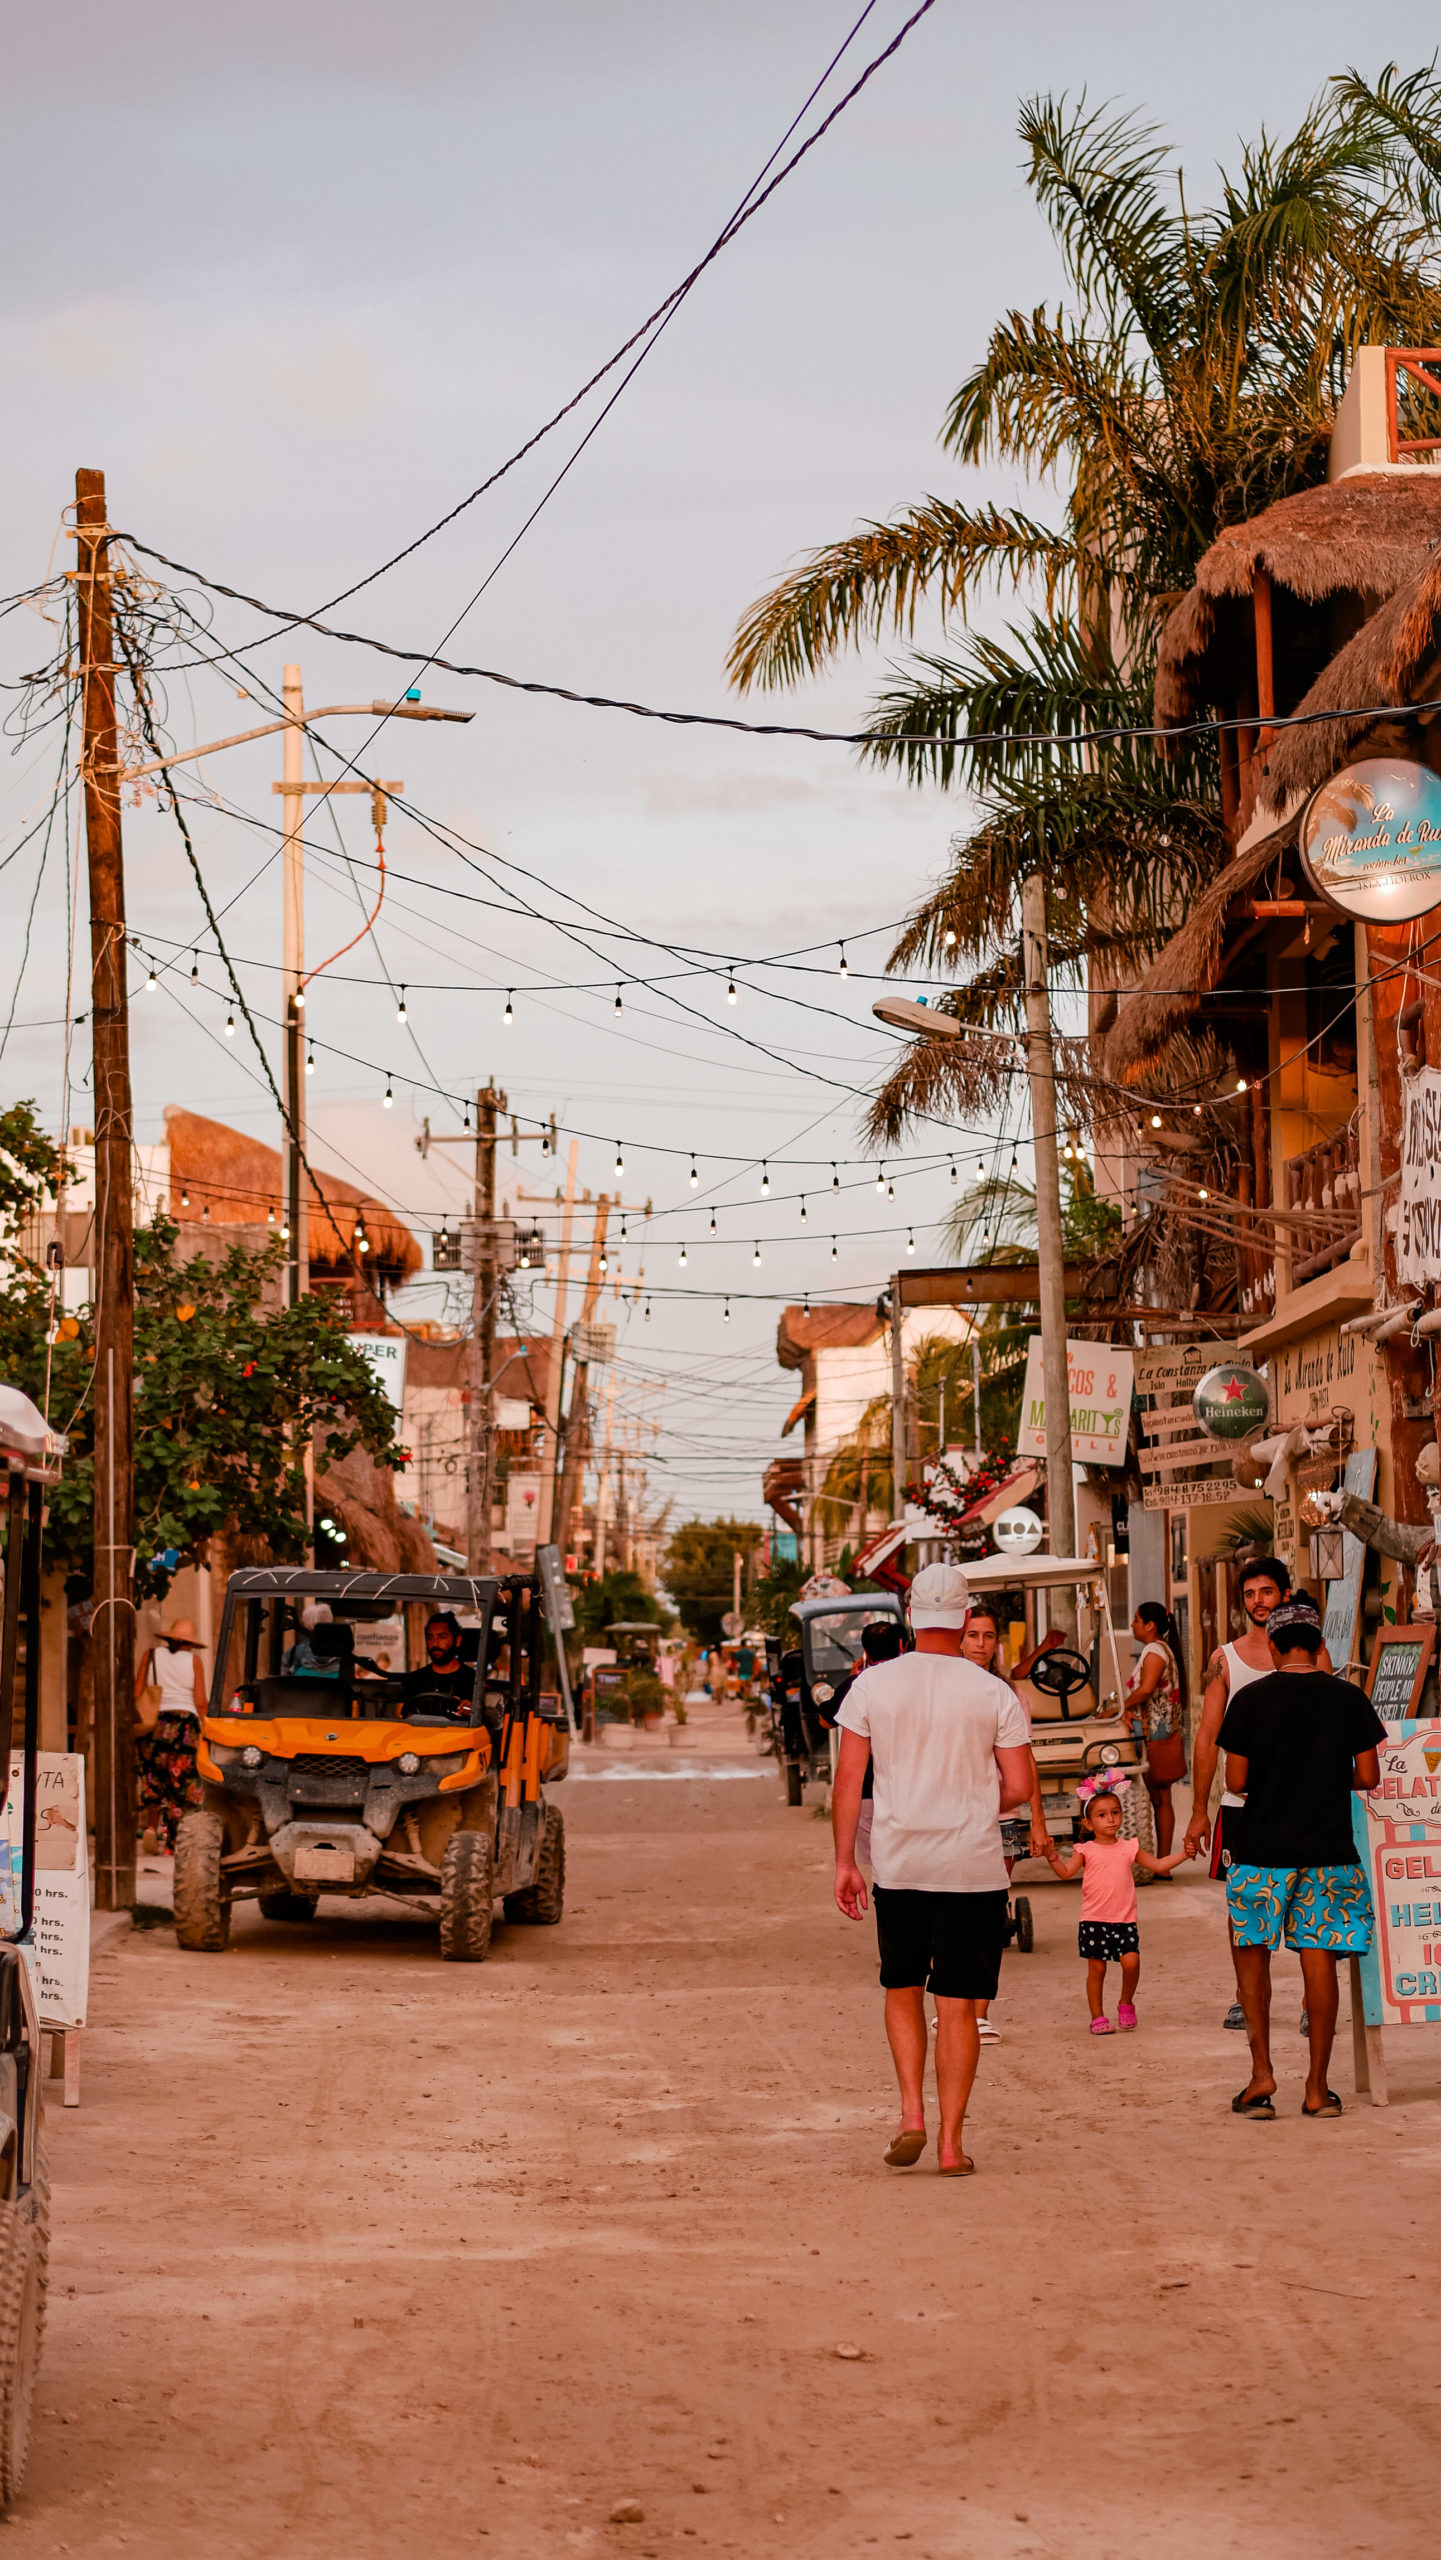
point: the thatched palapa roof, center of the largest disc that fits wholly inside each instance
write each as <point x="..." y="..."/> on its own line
<point x="1182" y="975"/>
<point x="238" y="1178"/>
<point x="802" y="1331"/>
<point x="1392" y="659"/>
<point x="1365" y="536"/>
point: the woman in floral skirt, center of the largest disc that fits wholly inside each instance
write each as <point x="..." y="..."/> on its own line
<point x="170" y="1701"/>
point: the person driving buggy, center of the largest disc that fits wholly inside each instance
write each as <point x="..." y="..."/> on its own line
<point x="444" y="1671"/>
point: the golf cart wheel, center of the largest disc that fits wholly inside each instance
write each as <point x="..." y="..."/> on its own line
<point x="543" y="1902"/>
<point x="282" y="1904"/>
<point x="1025" y="1925"/>
<point x="467" y="1897"/>
<point x="24" y="2255"/>
<point x="202" y="1904"/>
<point x="795" y="1784"/>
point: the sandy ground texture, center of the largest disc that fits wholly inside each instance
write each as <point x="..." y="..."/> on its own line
<point x="357" y="2253"/>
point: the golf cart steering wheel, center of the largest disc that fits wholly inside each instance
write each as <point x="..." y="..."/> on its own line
<point x="1059" y="1673"/>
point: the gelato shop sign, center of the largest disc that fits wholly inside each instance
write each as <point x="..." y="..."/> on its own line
<point x="1231" y="1402"/>
<point x="1371" y="840"/>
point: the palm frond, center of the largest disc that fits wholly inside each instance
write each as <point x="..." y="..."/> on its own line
<point x="877" y="578"/>
<point x="1095" y="177"/>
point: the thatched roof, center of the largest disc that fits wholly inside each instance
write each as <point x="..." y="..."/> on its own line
<point x="1390" y="660"/>
<point x="361" y="1497"/>
<point x="238" y="1178"/>
<point x="1183" y="974"/>
<point x="1365" y="536"/>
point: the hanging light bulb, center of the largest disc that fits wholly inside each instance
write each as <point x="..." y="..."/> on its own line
<point x="804" y="1220"/>
<point x="152" y="980"/>
<point x="509" y="1013"/>
<point x="682" y="1257"/>
<point x="1240" y="1084"/>
<point x="604" y="1264"/>
<point x="890" y="1191"/>
<point x="910" y="1241"/>
<point x="205" y="1212"/>
<point x="712" y="1222"/>
<point x="980" y="1168"/>
<point x="285" y="1232"/>
<point x="756" y="1257"/>
<point x="647" y="1311"/>
<point x="195" y="968"/>
<point x="467" y="1119"/>
<point x="309" y="1061"/>
<point x="950" y="938"/>
<point x="619" y="1162"/>
<point x="622" y="1231"/>
<point x="1013" y="1159"/>
<point x="1203" y="1193"/>
<point x="1155" y="1119"/>
<point x="620" y="1008"/>
<point x="184" y="1197"/>
<point x="300" y="999"/>
<point x="230" y="1026"/>
<point x="731" y="989"/>
<point x="765" y="1181"/>
<point x="834" y="1255"/>
<point x="1066" y="1151"/>
<point x="400" y="1013"/>
<point x="728" y="1311"/>
<point x="953" y="1169"/>
<point x="389" y="1096"/>
<point x="880" y="1177"/>
<point x="270" y="1214"/>
<point x="694" y="1176"/>
<point x="1197" y="1109"/>
<point x="843" y="971"/>
<point x="835" y="1179"/>
<point x="806" y="1304"/>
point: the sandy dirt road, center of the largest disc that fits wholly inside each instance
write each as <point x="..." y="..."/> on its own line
<point x="359" y="2253"/>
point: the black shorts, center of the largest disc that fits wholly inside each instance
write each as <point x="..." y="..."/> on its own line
<point x="1106" y="1941"/>
<point x="946" y="1943"/>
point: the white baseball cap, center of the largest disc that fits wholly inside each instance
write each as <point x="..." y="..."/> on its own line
<point x="940" y="1596"/>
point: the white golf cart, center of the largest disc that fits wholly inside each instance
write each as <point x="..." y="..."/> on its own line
<point x="1073" y="1694"/>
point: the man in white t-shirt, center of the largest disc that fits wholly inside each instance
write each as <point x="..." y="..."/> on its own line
<point x="950" y="1750"/>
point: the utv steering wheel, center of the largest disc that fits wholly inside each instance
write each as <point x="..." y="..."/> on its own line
<point x="1058" y="1674"/>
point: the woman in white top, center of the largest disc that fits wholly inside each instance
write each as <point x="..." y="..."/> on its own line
<point x="170" y="1699"/>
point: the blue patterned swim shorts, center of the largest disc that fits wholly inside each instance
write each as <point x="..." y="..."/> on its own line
<point x="1327" y="1907"/>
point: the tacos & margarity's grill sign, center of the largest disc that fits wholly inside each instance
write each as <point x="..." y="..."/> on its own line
<point x="1418" y="1227"/>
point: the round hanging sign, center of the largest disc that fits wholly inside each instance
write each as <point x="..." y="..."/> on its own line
<point x="1231" y="1402"/>
<point x="1017" y="1532"/>
<point x="1371" y="840"/>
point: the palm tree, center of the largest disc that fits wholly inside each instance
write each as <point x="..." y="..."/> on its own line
<point x="1191" y="381"/>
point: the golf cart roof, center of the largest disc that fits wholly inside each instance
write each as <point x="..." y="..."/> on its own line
<point x="633" y="1627"/>
<point x="1029" y="1573"/>
<point x="839" y="1603"/>
<point x="312" y="1582"/>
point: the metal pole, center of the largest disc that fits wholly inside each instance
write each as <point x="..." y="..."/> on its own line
<point x="113" y="1621"/>
<point x="485" y="1290"/>
<point x="898" y="1405"/>
<point x="297" y="1254"/>
<point x="577" y="1428"/>
<point x="550" y="1455"/>
<point x="1050" y="1245"/>
<point x="976" y="1391"/>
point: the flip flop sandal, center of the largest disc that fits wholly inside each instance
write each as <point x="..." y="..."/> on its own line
<point x="1331" y="2106"/>
<point x="964" y="2168"/>
<point x="905" y="2150"/>
<point x="1262" y="2108"/>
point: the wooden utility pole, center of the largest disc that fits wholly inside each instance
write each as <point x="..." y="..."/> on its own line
<point x="481" y="1472"/>
<point x="577" y="1429"/>
<point x="1050" y="1244"/>
<point x="545" y="1534"/>
<point x="113" y="1621"/>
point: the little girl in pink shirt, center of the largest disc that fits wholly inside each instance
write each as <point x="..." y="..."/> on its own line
<point x="1107" y="1866"/>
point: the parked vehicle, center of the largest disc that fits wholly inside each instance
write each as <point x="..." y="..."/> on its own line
<point x="326" y="1770"/>
<point x="1073" y="1694"/>
<point x="807" y="1680"/>
<point x="628" y="1688"/>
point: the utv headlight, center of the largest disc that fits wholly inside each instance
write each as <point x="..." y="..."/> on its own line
<point x="822" y="1692"/>
<point x="1110" y="1755"/>
<point x="251" y="1756"/>
<point x="408" y="1763"/>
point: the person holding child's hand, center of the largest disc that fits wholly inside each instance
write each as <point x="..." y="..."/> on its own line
<point x="1107" y="1866"/>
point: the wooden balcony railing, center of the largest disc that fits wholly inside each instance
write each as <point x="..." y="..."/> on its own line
<point x="1323" y="1190"/>
<point x="1416" y="361"/>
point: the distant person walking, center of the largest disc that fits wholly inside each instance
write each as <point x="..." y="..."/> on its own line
<point x="1298" y="1745"/>
<point x="1156" y="1709"/>
<point x="170" y="1699"/>
<point x="949" y="1747"/>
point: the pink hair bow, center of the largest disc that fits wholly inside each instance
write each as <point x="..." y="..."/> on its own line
<point x="1104" y="1782"/>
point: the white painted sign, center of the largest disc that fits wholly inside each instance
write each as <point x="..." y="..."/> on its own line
<point x="522" y="1508"/>
<point x="1400" y="1837"/>
<point x="1418" y="1230"/>
<point x="385" y="1354"/>
<point x="59" y="1957"/>
<point x="1101" y="1380"/>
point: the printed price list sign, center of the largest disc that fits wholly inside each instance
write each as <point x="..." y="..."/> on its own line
<point x="1403" y="1860"/>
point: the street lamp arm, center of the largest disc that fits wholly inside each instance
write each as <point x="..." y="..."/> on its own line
<point x="330" y="711"/>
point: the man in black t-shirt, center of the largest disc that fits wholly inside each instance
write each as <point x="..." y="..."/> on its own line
<point x="1298" y="1744"/>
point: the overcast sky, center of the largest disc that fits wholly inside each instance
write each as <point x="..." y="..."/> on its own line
<point x="297" y="279"/>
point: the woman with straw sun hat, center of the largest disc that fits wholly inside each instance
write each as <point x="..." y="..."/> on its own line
<point x="170" y="1701"/>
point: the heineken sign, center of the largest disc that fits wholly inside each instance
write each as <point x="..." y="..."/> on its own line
<point x="1231" y="1402"/>
<point x="1371" y="840"/>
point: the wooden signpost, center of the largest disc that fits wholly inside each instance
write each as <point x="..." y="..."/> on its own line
<point x="1181" y="1464"/>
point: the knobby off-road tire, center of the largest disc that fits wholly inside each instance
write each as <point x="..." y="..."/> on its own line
<point x="1025" y="1925"/>
<point x="24" y="2273"/>
<point x="282" y="1904"/>
<point x="202" y="1904"/>
<point x="795" y="1784"/>
<point x="543" y="1902"/>
<point x="467" y="1897"/>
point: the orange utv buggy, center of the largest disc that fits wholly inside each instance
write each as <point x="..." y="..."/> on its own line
<point x="334" y="1760"/>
